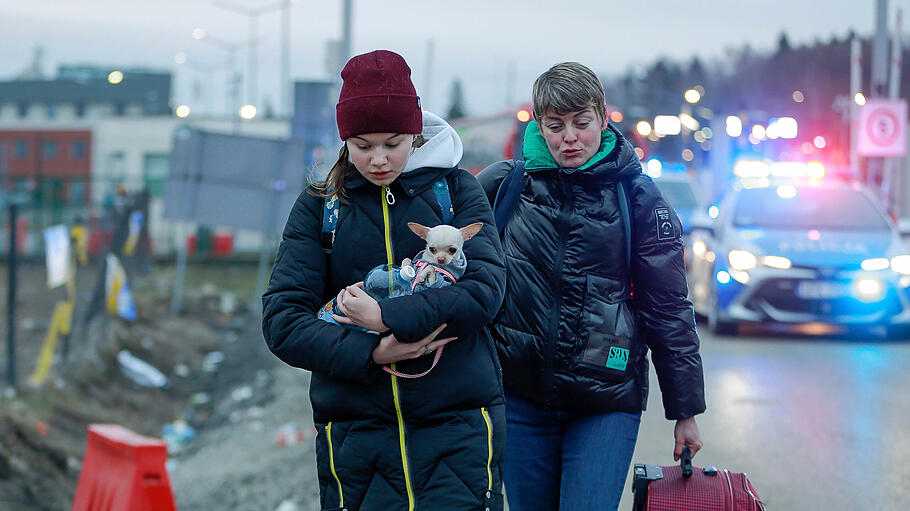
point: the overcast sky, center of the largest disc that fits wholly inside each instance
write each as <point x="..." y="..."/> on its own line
<point x="497" y="47"/>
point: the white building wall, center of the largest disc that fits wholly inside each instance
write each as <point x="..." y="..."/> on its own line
<point x="120" y="145"/>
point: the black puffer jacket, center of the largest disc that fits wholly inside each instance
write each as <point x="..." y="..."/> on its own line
<point x="383" y="441"/>
<point x="569" y="314"/>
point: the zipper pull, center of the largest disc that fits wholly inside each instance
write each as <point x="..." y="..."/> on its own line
<point x="389" y="198"/>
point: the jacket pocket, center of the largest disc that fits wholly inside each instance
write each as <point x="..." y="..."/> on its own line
<point x="607" y="332"/>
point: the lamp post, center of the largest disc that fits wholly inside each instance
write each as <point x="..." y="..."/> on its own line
<point x="233" y="79"/>
<point x="253" y="14"/>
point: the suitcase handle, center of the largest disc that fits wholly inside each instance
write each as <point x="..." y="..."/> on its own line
<point x="685" y="461"/>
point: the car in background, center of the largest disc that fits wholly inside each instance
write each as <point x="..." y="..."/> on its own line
<point x="679" y="190"/>
<point x="800" y="252"/>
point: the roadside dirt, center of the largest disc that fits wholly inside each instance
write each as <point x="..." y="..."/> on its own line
<point x="252" y="447"/>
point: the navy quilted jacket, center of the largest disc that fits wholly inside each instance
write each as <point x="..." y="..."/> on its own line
<point x="385" y="442"/>
<point x="571" y="332"/>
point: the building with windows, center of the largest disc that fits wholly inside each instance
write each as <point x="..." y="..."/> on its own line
<point x="69" y="141"/>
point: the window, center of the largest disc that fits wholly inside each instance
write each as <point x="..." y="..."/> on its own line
<point x="49" y="150"/>
<point x="22" y="109"/>
<point x="51" y="110"/>
<point x="120" y="108"/>
<point x="154" y="171"/>
<point x="77" y="150"/>
<point x="76" y="191"/>
<point x="21" y="149"/>
<point x="80" y="109"/>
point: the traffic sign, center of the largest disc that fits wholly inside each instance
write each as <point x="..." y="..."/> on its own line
<point x="883" y="128"/>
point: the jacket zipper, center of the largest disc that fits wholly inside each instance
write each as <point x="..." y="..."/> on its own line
<point x="328" y="435"/>
<point x="564" y="209"/>
<point x="486" y="419"/>
<point x="387" y="200"/>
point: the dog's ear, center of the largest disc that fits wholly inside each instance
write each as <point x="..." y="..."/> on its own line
<point x="468" y="231"/>
<point x="419" y="229"/>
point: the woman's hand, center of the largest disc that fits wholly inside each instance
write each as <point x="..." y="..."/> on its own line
<point x="686" y="433"/>
<point x="390" y="350"/>
<point x="359" y="309"/>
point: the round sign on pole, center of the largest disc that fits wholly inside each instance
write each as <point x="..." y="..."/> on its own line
<point x="883" y="128"/>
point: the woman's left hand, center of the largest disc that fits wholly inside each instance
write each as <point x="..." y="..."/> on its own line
<point x="359" y="309"/>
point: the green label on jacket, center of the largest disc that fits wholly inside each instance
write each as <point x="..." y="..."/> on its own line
<point x="619" y="357"/>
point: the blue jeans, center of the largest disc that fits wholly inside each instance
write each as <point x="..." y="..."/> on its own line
<point x="557" y="459"/>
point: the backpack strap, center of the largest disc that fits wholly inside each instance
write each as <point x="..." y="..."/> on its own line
<point x="507" y="196"/>
<point x="444" y="198"/>
<point x="330" y="208"/>
<point x="332" y="204"/>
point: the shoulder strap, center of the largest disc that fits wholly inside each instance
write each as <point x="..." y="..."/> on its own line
<point x="444" y="198"/>
<point x="329" y="221"/>
<point x="623" y="195"/>
<point x="332" y="205"/>
<point x="507" y="196"/>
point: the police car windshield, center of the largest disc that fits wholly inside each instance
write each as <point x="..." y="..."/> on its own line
<point x="807" y="208"/>
<point x="678" y="193"/>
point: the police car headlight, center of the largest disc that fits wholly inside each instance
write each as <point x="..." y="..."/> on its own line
<point x="878" y="263"/>
<point x="742" y="260"/>
<point x="778" y="262"/>
<point x="901" y="264"/>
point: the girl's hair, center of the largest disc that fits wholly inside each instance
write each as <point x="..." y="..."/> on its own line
<point x="333" y="184"/>
<point x="567" y="87"/>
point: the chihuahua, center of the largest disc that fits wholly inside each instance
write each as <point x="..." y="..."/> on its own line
<point x="443" y="253"/>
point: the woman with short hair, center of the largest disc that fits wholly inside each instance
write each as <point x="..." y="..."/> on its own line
<point x="588" y="293"/>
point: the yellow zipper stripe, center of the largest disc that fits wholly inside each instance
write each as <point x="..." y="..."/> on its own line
<point x="486" y="419"/>
<point x="328" y="433"/>
<point x="401" y="443"/>
<point x="385" y="224"/>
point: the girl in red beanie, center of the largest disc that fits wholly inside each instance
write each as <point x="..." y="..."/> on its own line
<point x="387" y="443"/>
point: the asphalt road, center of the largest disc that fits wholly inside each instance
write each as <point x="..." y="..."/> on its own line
<point x="817" y="423"/>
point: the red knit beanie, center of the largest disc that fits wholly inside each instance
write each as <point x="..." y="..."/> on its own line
<point x="377" y="96"/>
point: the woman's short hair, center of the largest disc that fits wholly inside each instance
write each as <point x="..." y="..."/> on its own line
<point x="568" y="87"/>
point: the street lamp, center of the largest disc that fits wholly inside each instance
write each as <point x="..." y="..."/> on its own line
<point x="253" y="14"/>
<point x="231" y="48"/>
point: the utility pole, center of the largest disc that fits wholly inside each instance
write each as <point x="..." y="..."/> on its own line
<point x="347" y="7"/>
<point x="874" y="169"/>
<point x="893" y="178"/>
<point x="856" y="76"/>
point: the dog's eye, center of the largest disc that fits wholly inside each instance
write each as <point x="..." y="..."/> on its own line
<point x="452" y="250"/>
<point x="432" y="250"/>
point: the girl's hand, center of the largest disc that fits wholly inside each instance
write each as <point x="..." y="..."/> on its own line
<point x="390" y="350"/>
<point x="359" y="309"/>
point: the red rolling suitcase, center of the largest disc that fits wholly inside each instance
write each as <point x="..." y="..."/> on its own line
<point x="686" y="488"/>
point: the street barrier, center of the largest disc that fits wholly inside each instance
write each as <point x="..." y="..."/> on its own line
<point x="123" y="470"/>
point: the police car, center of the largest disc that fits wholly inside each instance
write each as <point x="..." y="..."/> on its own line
<point x="798" y="252"/>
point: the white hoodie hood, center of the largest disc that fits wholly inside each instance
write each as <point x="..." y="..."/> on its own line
<point x="443" y="147"/>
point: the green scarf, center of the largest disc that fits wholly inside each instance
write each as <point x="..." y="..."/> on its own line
<point x="537" y="155"/>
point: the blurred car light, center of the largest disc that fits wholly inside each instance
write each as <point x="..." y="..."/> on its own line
<point x="742" y="260"/>
<point x="750" y="169"/>
<point x="723" y="277"/>
<point x="901" y="264"/>
<point x="876" y="264"/>
<point x="869" y="289"/>
<point x="740" y="276"/>
<point x="699" y="248"/>
<point x="781" y="263"/>
<point x="786" y="191"/>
